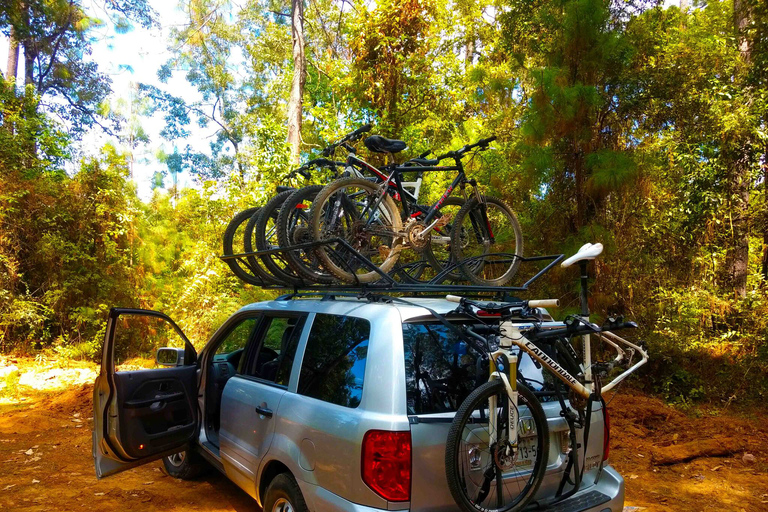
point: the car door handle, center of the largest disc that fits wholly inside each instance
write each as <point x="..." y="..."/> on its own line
<point x="264" y="411"/>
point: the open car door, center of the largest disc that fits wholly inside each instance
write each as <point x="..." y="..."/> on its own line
<point x="144" y="399"/>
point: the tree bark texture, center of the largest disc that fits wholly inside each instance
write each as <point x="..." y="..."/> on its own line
<point x="13" y="55"/>
<point x="295" y="103"/>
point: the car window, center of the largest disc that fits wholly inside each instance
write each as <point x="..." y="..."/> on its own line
<point x="137" y="338"/>
<point x="232" y="347"/>
<point x="334" y="360"/>
<point x="439" y="370"/>
<point x="273" y="360"/>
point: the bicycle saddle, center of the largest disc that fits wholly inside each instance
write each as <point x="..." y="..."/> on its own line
<point x="587" y="252"/>
<point x="379" y="144"/>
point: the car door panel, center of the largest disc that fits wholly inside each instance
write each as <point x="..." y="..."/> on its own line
<point x="246" y="431"/>
<point x="158" y="410"/>
<point x="142" y="415"/>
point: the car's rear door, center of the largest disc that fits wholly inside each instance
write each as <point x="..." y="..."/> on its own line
<point x="142" y="411"/>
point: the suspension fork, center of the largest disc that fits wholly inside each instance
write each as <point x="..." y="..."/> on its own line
<point x="503" y="366"/>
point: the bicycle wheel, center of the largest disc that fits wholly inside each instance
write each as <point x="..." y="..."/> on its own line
<point x="293" y="227"/>
<point x="262" y="233"/>
<point x="249" y="273"/>
<point x="502" y="475"/>
<point x="487" y="241"/>
<point x="350" y="209"/>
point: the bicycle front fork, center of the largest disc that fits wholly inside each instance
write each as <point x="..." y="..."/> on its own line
<point x="504" y="367"/>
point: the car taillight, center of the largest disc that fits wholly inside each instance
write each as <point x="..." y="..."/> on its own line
<point x="606" y="433"/>
<point x="386" y="464"/>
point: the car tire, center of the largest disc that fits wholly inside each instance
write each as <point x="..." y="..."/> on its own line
<point x="185" y="465"/>
<point x="284" y="495"/>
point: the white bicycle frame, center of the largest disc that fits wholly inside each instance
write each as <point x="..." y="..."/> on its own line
<point x="511" y="336"/>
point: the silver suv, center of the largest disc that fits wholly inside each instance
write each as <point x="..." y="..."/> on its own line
<point x="334" y="403"/>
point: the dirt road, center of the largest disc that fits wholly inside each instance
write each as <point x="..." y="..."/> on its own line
<point x="45" y="462"/>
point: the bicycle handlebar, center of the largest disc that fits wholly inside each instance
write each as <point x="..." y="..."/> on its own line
<point x="493" y="307"/>
<point x="482" y="143"/>
<point x="354" y="135"/>
<point x="544" y="303"/>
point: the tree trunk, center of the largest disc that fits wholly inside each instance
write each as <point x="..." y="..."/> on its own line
<point x="741" y="15"/>
<point x="737" y="253"/>
<point x="13" y="55"/>
<point x="470" y="48"/>
<point x="29" y="65"/>
<point x="295" y="103"/>
<point x="738" y="179"/>
<point x="765" y="214"/>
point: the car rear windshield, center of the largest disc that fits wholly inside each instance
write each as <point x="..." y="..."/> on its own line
<point x="441" y="370"/>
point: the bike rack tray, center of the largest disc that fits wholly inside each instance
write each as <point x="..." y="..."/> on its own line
<point x="388" y="283"/>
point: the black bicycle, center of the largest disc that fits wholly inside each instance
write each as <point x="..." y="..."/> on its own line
<point x="483" y="240"/>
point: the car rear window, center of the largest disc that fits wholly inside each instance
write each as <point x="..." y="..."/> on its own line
<point x="334" y="361"/>
<point x="439" y="370"/>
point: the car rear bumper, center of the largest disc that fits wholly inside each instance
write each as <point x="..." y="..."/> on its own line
<point x="605" y="496"/>
<point x="320" y="499"/>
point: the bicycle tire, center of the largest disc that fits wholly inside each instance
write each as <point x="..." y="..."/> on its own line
<point x="256" y="230"/>
<point x="471" y="210"/>
<point x="392" y="223"/>
<point x="455" y="465"/>
<point x="254" y="275"/>
<point x="287" y="221"/>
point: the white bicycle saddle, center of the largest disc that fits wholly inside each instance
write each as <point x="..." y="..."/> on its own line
<point x="587" y="252"/>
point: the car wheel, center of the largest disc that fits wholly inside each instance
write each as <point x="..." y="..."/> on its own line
<point x="185" y="465"/>
<point x="284" y="495"/>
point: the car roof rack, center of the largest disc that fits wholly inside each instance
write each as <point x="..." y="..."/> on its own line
<point x="436" y="287"/>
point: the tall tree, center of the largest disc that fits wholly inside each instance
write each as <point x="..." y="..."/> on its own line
<point x="296" y="100"/>
<point x="740" y="156"/>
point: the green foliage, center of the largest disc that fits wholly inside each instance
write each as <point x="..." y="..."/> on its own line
<point x="640" y="127"/>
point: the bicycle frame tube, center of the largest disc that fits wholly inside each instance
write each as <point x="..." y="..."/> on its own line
<point x="409" y="201"/>
<point x="511" y="332"/>
<point x="435" y="207"/>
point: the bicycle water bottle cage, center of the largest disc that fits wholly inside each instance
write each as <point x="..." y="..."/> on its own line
<point x="587" y="252"/>
<point x="379" y="144"/>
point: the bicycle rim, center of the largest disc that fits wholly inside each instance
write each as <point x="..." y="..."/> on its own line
<point x="262" y="230"/>
<point x="502" y="475"/>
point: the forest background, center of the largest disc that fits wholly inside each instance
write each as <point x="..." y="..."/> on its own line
<point x="628" y="122"/>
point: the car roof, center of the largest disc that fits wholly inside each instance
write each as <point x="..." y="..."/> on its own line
<point x="408" y="307"/>
<point x="344" y="305"/>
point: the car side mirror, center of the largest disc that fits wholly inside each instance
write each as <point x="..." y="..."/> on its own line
<point x="167" y="356"/>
